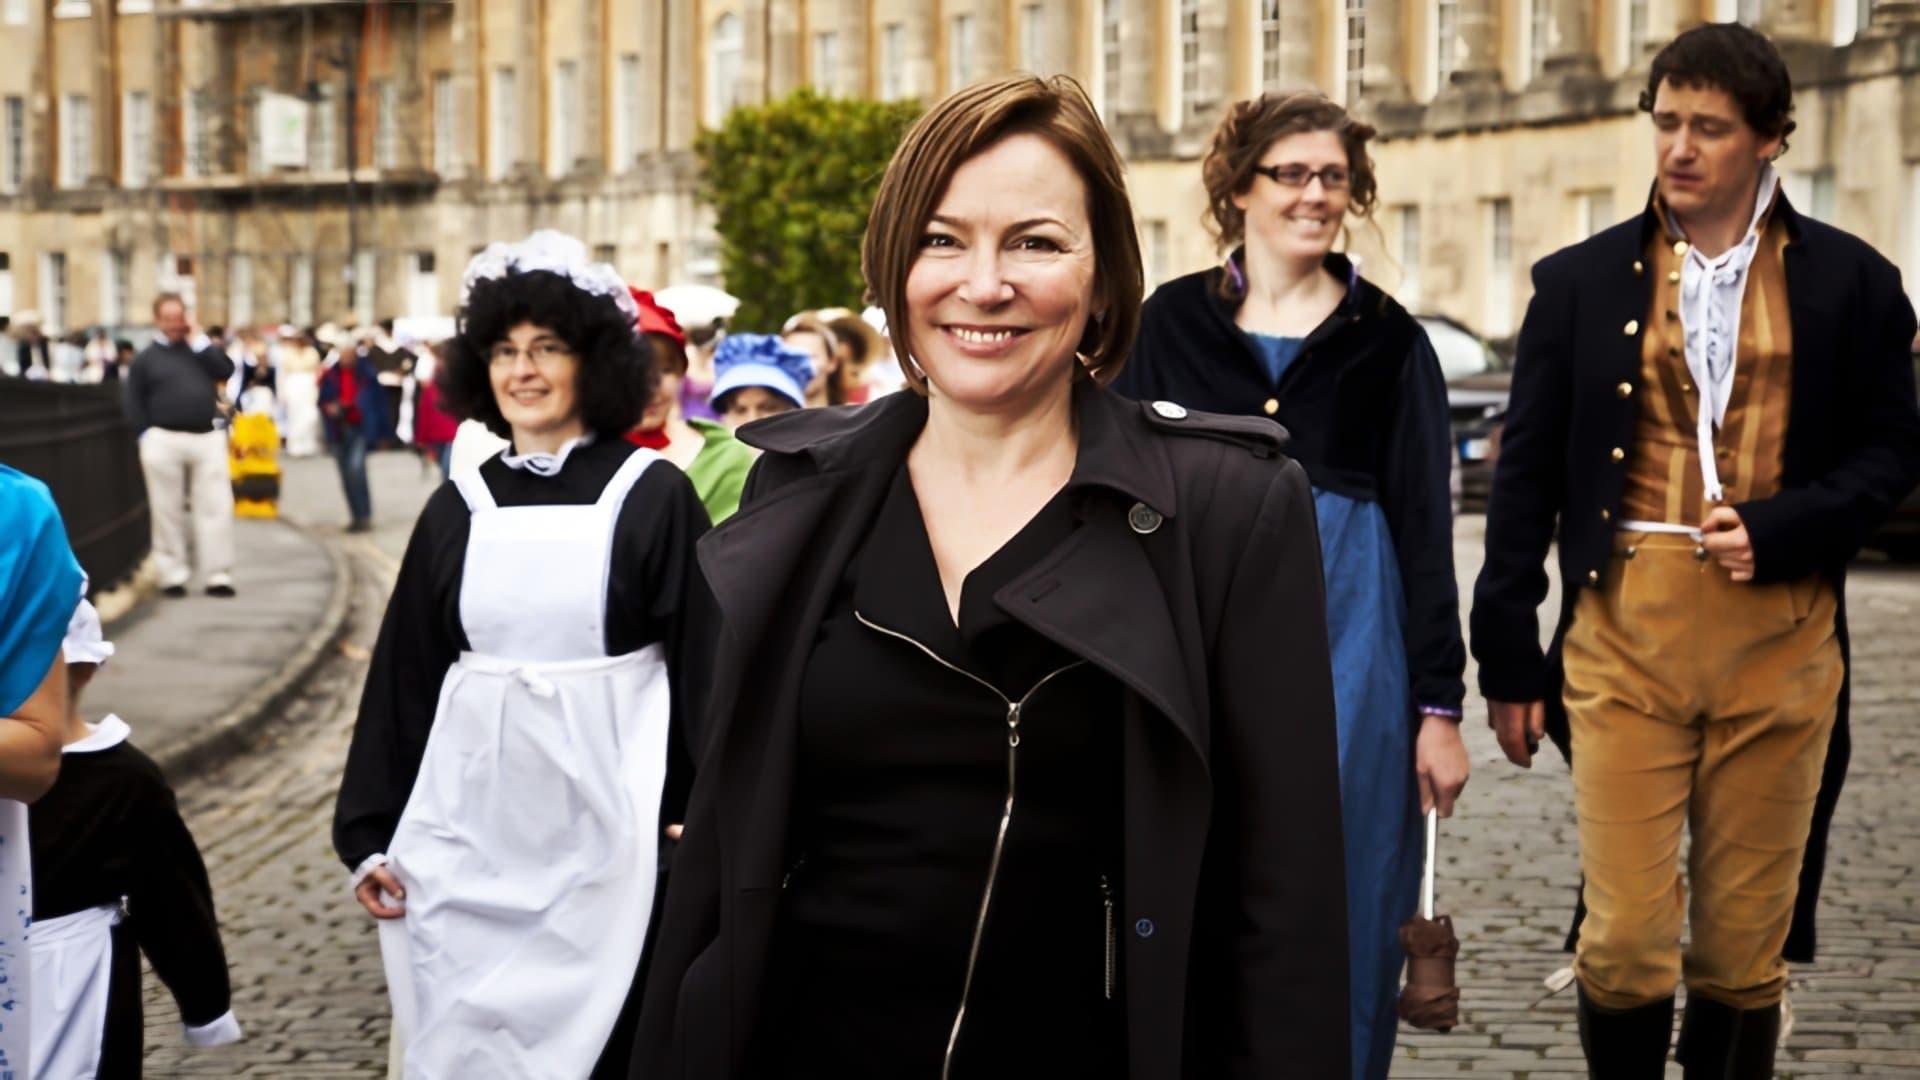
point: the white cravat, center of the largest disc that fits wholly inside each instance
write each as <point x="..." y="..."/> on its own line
<point x="540" y="464"/>
<point x="1711" y="291"/>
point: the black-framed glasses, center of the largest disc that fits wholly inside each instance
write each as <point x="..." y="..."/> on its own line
<point x="1333" y="177"/>
<point x="543" y="353"/>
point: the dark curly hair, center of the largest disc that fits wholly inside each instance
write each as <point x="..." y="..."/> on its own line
<point x="616" y="373"/>
<point x="1253" y="125"/>
<point x="1736" y="59"/>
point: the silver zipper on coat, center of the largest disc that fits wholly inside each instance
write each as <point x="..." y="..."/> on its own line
<point x="1106" y="900"/>
<point x="1006" y="814"/>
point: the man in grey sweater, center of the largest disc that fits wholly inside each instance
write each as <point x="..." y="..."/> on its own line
<point x="172" y="398"/>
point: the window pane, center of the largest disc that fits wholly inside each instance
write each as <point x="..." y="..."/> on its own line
<point x="324" y="150"/>
<point x="240" y="291"/>
<point x="893" y="60"/>
<point x="76" y="126"/>
<point x="504" y="138"/>
<point x="564" y="111"/>
<point x="723" y="71"/>
<point x="826" y="61"/>
<point x="960" y="52"/>
<point x="1356" y="49"/>
<point x="1111" y="11"/>
<point x="1537" y="36"/>
<point x="1033" y="39"/>
<point x="1190" y="54"/>
<point x="16" y="149"/>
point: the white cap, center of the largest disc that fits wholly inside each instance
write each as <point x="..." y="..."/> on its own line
<point x="85" y="644"/>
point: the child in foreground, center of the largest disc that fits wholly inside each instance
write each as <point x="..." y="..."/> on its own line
<point x="115" y="873"/>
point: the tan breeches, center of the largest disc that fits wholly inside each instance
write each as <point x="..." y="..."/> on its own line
<point x="1697" y="701"/>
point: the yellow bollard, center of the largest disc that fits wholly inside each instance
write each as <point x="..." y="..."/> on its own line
<point x="253" y="459"/>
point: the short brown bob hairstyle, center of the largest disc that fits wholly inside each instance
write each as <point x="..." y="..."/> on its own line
<point x="1253" y="125"/>
<point x="962" y="125"/>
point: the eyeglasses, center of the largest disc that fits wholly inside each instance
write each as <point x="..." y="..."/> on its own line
<point x="1333" y="177"/>
<point x="542" y="353"/>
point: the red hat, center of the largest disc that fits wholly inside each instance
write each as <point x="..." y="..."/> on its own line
<point x="655" y="319"/>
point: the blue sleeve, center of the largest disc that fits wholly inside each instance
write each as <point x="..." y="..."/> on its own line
<point x="39" y="586"/>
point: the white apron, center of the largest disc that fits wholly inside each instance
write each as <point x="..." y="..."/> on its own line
<point x="529" y="844"/>
<point x="16" y="980"/>
<point x="72" y="969"/>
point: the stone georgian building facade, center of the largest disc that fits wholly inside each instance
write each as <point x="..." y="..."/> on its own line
<point x="204" y="145"/>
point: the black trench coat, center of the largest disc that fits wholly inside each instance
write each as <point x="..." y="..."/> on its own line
<point x="1196" y="585"/>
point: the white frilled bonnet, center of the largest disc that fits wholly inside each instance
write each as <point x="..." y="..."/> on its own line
<point x="556" y="253"/>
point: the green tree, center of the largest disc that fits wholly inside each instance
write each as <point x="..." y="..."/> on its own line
<point x="791" y="184"/>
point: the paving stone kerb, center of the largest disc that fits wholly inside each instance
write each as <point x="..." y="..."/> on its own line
<point x="197" y="676"/>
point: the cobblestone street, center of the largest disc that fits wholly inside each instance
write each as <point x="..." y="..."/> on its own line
<point x="309" y="989"/>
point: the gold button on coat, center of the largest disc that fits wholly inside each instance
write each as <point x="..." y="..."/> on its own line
<point x="1593" y="577"/>
<point x="1272" y="406"/>
<point x="1673" y="276"/>
<point x="1632" y="327"/>
<point x="1680" y="247"/>
<point x="1618" y="454"/>
<point x="1606" y="514"/>
<point x="1624" y="390"/>
<point x="1638" y="266"/>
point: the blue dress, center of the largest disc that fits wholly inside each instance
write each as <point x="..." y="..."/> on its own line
<point x="39" y="586"/>
<point x="1373" y="709"/>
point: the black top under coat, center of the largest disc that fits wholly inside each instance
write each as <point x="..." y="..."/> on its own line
<point x="901" y="785"/>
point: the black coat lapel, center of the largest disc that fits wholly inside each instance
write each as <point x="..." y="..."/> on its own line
<point x="1812" y="343"/>
<point x="750" y="559"/>
<point x="1099" y="597"/>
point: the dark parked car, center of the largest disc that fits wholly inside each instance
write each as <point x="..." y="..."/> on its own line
<point x="1900" y="536"/>
<point x="1478" y="382"/>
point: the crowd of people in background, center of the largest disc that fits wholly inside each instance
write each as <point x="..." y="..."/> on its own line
<point x="797" y="703"/>
<point x="349" y="391"/>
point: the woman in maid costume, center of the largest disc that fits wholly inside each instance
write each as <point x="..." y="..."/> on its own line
<point x="503" y="797"/>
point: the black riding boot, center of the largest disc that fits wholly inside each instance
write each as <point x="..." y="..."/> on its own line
<point x="1625" y="1044"/>
<point x="1720" y="1042"/>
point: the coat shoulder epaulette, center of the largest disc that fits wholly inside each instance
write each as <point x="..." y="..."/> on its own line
<point x="1261" y="437"/>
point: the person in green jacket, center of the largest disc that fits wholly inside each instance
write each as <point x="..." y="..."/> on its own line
<point x="712" y="458"/>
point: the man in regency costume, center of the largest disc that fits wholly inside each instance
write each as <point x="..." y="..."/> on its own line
<point x="1715" y="401"/>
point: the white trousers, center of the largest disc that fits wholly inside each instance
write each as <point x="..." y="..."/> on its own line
<point x="187" y="477"/>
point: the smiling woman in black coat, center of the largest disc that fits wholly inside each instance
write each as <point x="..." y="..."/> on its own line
<point x="1022" y="756"/>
